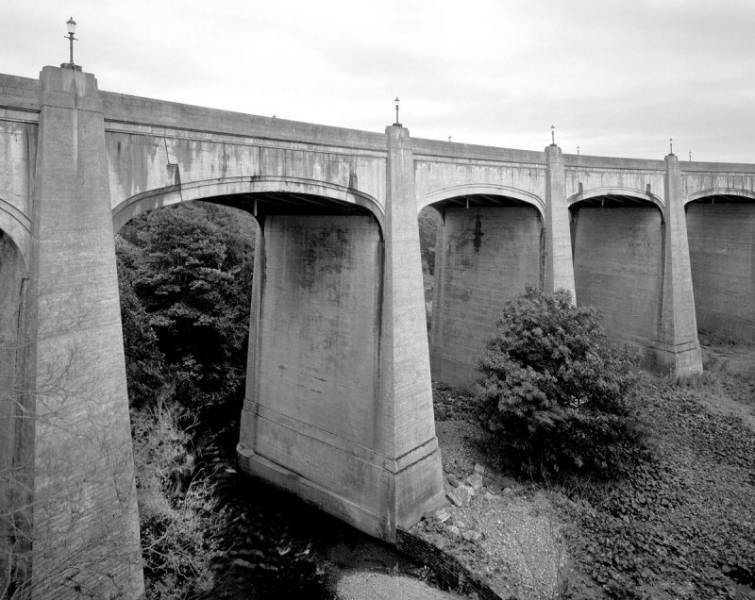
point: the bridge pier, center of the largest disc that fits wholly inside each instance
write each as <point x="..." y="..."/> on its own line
<point x="677" y="351"/>
<point x="73" y="465"/>
<point x="559" y="262"/>
<point x="632" y="263"/>
<point x="339" y="402"/>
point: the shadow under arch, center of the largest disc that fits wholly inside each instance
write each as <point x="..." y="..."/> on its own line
<point x="488" y="249"/>
<point x="725" y="194"/>
<point x="618" y="252"/>
<point x="721" y="238"/>
<point x="615" y="195"/>
<point x="286" y="193"/>
<point x="486" y="192"/>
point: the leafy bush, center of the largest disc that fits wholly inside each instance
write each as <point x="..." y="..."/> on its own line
<point x="556" y="395"/>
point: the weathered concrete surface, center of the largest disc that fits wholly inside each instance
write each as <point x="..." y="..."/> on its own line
<point x="85" y="527"/>
<point x="484" y="256"/>
<point x="339" y="403"/>
<point x="632" y="263"/>
<point x="406" y="403"/>
<point x="588" y="176"/>
<point x="559" y="267"/>
<point x="618" y="267"/>
<point x="445" y="170"/>
<point x="677" y="351"/>
<point x="313" y="386"/>
<point x="161" y="153"/>
<point x="722" y="253"/>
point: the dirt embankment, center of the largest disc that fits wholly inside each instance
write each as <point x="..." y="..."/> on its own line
<point x="682" y="526"/>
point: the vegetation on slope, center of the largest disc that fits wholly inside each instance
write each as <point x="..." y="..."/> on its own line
<point x="681" y="525"/>
<point x="185" y="280"/>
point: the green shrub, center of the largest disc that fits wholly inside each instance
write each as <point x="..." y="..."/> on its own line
<point x="555" y="394"/>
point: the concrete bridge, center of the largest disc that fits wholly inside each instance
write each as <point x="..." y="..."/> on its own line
<point x="338" y="404"/>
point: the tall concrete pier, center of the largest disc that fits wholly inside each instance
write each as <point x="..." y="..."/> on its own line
<point x="338" y="402"/>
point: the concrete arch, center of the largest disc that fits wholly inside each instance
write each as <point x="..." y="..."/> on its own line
<point x="17" y="226"/>
<point x="489" y="189"/>
<point x="644" y="196"/>
<point x="210" y="188"/>
<point x="750" y="194"/>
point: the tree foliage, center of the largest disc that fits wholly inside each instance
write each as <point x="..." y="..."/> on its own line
<point x="429" y="221"/>
<point x="188" y="270"/>
<point x="556" y="395"/>
<point x="185" y="282"/>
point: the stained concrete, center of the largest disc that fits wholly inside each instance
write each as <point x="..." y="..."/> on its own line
<point x="315" y="383"/>
<point x="618" y="262"/>
<point x="339" y="405"/>
<point x="484" y="256"/>
<point x="722" y="253"/>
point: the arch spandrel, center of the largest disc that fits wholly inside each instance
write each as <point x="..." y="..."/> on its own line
<point x="236" y="186"/>
<point x="481" y="189"/>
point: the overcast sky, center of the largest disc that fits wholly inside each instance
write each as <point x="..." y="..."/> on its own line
<point x="615" y="77"/>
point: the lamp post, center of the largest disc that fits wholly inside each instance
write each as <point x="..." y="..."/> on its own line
<point x="71" y="24"/>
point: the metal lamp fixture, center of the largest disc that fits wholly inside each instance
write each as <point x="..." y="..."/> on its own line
<point x="71" y="25"/>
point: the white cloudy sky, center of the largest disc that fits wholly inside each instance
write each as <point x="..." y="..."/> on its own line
<point x="615" y="77"/>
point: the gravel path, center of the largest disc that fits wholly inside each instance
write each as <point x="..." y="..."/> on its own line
<point x="368" y="585"/>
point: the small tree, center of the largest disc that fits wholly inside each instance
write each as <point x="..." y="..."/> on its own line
<point x="555" y="393"/>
